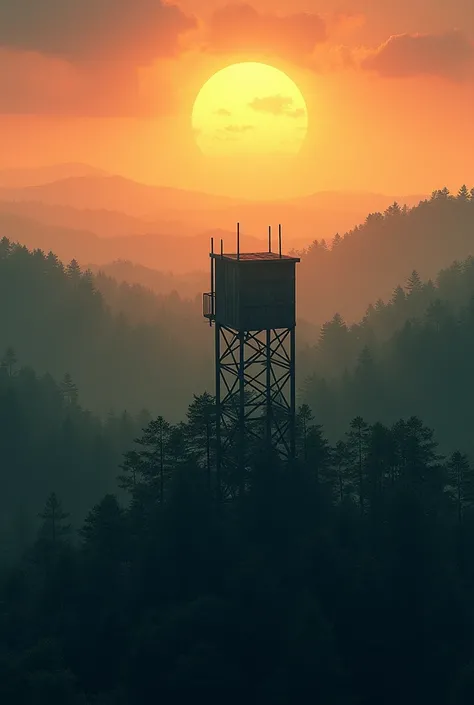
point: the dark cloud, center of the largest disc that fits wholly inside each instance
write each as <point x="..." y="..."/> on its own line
<point x="239" y="128"/>
<point x="277" y="105"/>
<point x="297" y="113"/>
<point x="242" y="28"/>
<point x="137" y="31"/>
<point x="449" y="54"/>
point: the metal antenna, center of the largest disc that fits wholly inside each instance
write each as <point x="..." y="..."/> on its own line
<point x="212" y="280"/>
<point x="238" y="240"/>
<point x="269" y="238"/>
<point x="279" y="239"/>
<point x="222" y="248"/>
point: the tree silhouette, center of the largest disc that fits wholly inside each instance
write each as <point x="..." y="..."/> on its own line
<point x="148" y="469"/>
<point x="306" y="586"/>
<point x="357" y="440"/>
<point x="414" y="284"/>
<point x="463" y="194"/>
<point x="304" y="420"/>
<point x="9" y="361"/>
<point x="69" y="390"/>
<point x="461" y="482"/>
<point x="201" y="431"/>
<point x="53" y="528"/>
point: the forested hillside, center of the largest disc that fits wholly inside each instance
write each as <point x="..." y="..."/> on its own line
<point x="365" y="264"/>
<point x="129" y="573"/>
<point x="320" y="582"/>
<point x="188" y="286"/>
<point x="48" y="441"/>
<point x="412" y="353"/>
<point x="369" y="261"/>
<point x="129" y="351"/>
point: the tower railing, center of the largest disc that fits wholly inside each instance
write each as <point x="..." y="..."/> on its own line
<point x="209" y="305"/>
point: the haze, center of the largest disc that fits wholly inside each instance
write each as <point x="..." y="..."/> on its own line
<point x="193" y="510"/>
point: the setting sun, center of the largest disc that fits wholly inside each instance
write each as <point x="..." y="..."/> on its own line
<point x="249" y="108"/>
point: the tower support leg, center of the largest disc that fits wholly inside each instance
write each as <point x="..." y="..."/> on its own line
<point x="255" y="397"/>
<point x="217" y="354"/>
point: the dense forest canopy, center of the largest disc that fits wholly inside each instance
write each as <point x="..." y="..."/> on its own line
<point x="130" y="574"/>
<point x="364" y="264"/>
<point x="119" y="341"/>
<point x="320" y="581"/>
<point x="188" y="286"/>
<point x="47" y="441"/>
<point x="370" y="260"/>
<point x="124" y="346"/>
<point x="414" y="352"/>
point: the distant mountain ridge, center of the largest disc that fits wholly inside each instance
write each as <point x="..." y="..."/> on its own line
<point x="370" y="201"/>
<point x="114" y="193"/>
<point x="19" y="178"/>
<point x="182" y="212"/>
<point x="156" y="250"/>
<point x="105" y="223"/>
<point x="364" y="265"/>
<point x="34" y="176"/>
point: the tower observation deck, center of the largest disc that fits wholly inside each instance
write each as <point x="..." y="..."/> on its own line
<point x="252" y="306"/>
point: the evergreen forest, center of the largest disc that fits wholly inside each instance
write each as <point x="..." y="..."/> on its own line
<point x="131" y="572"/>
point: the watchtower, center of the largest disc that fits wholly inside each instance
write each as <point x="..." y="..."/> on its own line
<point x="252" y="304"/>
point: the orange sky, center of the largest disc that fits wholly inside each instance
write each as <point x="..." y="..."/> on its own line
<point x="389" y="89"/>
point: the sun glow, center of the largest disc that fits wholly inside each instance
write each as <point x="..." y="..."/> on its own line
<point x="249" y="109"/>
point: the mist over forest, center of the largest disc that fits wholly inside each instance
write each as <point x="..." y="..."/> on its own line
<point x="128" y="572"/>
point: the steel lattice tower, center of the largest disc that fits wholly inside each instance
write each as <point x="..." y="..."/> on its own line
<point x="252" y="305"/>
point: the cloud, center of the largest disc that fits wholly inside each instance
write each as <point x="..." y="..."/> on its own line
<point x="297" y="113"/>
<point x="449" y="54"/>
<point x="31" y="83"/>
<point x="240" y="28"/>
<point x="277" y="105"/>
<point x="340" y="24"/>
<point x="223" y="112"/>
<point x="239" y="128"/>
<point x="137" y="31"/>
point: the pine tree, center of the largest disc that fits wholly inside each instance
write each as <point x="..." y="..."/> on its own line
<point x="398" y="297"/>
<point x="132" y="468"/>
<point x="148" y="469"/>
<point x="5" y="248"/>
<point x="418" y="459"/>
<point x="9" y="361"/>
<point x="103" y="532"/>
<point x="357" y="443"/>
<point x="379" y="462"/>
<point x="53" y="528"/>
<point x="379" y="306"/>
<point x="73" y="271"/>
<point x="311" y="446"/>
<point x="435" y="314"/>
<point x="393" y="211"/>
<point x="69" y="390"/>
<point x="340" y="458"/>
<point x="445" y="194"/>
<point x="304" y="419"/>
<point x="201" y="431"/>
<point x="414" y="284"/>
<point x="461" y="482"/>
<point x="463" y="194"/>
